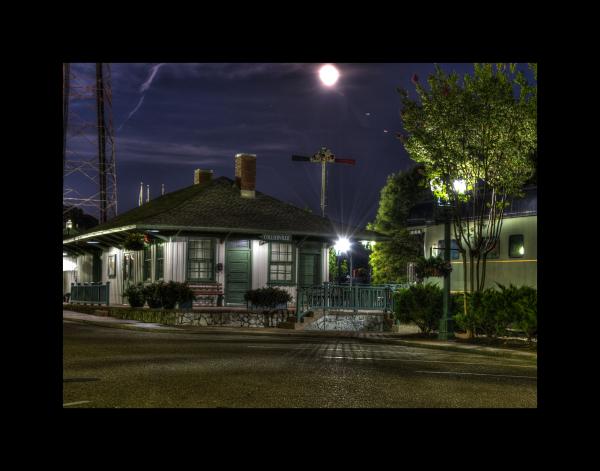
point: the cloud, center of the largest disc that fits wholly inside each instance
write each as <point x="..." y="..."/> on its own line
<point x="143" y="89"/>
<point x="146" y="85"/>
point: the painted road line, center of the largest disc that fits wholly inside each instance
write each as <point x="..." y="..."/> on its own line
<point x="75" y="403"/>
<point x="431" y="361"/>
<point x="475" y="374"/>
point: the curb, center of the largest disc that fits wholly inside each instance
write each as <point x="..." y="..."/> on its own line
<point x="531" y="356"/>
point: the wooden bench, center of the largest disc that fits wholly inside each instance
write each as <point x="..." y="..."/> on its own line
<point x="207" y="294"/>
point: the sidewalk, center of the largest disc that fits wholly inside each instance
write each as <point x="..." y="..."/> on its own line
<point x="378" y="337"/>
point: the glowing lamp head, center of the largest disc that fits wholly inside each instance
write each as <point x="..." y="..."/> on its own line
<point x="329" y="75"/>
<point x="342" y="245"/>
<point x="460" y="186"/>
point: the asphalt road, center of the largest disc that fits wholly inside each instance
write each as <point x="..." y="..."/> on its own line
<point x="116" y="368"/>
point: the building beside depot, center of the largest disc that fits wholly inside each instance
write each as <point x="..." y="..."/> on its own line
<point x="513" y="259"/>
<point x="219" y="232"/>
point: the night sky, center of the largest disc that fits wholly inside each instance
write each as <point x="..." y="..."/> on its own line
<point x="172" y="118"/>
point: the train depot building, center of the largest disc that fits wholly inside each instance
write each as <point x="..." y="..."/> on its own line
<point x="220" y="235"/>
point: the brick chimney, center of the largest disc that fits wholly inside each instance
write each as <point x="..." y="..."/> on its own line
<point x="245" y="174"/>
<point x="202" y="176"/>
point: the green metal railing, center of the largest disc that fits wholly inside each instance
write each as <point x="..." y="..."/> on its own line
<point x="330" y="296"/>
<point x="90" y="293"/>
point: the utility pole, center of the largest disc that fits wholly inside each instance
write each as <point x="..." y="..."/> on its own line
<point x="323" y="157"/>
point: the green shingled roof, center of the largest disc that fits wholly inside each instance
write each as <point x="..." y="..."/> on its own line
<point x="219" y="205"/>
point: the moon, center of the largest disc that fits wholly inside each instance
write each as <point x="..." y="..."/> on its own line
<point x="329" y="75"/>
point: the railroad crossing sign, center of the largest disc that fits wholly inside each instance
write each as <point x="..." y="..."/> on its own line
<point x="323" y="157"/>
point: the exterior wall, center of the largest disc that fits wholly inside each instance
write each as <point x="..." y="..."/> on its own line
<point x="175" y="259"/>
<point x="175" y="265"/>
<point x="503" y="270"/>
<point x="260" y="264"/>
<point x="84" y="273"/>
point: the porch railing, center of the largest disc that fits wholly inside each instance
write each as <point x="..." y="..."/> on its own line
<point x="90" y="293"/>
<point x="330" y="296"/>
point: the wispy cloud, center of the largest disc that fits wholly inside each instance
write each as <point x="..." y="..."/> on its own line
<point x="143" y="89"/>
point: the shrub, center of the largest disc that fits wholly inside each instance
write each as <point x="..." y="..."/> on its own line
<point x="135" y="295"/>
<point x="169" y="294"/>
<point x="185" y="295"/>
<point x="421" y="304"/>
<point x="521" y="308"/>
<point x="491" y="312"/>
<point x="267" y="297"/>
<point x="153" y="294"/>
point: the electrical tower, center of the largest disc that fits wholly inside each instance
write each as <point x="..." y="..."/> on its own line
<point x="323" y="157"/>
<point x="89" y="168"/>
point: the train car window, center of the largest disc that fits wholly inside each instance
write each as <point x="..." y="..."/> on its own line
<point x="516" y="246"/>
<point x="454" y="252"/>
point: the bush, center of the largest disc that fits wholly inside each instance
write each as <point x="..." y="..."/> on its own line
<point x="521" y="308"/>
<point x="491" y="312"/>
<point x="135" y="295"/>
<point x="174" y="292"/>
<point x="154" y="294"/>
<point x="185" y="295"/>
<point x="267" y="297"/>
<point x="421" y="304"/>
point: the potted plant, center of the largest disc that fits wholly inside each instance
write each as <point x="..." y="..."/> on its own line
<point x="134" y="241"/>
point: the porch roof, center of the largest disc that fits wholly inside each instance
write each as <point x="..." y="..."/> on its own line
<point x="217" y="207"/>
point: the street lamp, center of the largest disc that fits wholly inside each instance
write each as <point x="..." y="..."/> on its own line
<point x="446" y="331"/>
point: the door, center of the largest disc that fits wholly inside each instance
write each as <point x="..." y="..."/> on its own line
<point x="238" y="269"/>
<point x="309" y="269"/>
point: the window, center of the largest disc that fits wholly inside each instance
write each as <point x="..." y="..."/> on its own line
<point x="281" y="263"/>
<point x="454" y="253"/>
<point x="516" y="246"/>
<point x="147" y="273"/>
<point x="159" y="262"/>
<point x="201" y="260"/>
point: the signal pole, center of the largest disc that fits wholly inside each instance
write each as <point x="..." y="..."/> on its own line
<point x="323" y="157"/>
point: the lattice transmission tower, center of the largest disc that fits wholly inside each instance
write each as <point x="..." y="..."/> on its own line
<point x="89" y="167"/>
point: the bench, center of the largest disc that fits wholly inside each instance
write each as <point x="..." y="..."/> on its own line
<point x="207" y="294"/>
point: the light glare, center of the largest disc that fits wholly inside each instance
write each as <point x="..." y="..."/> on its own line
<point x="460" y="186"/>
<point x="342" y="245"/>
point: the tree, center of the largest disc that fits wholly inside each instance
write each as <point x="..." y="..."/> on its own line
<point x="389" y="259"/>
<point x="481" y="133"/>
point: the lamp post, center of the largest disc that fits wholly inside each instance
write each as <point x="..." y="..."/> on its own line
<point x="446" y="330"/>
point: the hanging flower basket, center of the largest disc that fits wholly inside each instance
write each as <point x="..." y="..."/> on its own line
<point x="134" y="241"/>
<point x="430" y="267"/>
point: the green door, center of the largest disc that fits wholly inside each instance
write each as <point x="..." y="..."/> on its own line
<point x="309" y="269"/>
<point x="238" y="269"/>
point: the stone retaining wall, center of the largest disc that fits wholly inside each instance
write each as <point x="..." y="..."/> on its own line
<point x="372" y="322"/>
<point x="191" y="317"/>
